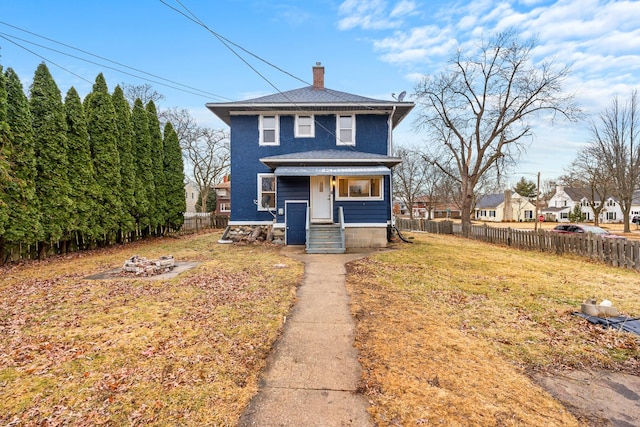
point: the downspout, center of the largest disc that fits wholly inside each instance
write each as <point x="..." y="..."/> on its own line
<point x="390" y="148"/>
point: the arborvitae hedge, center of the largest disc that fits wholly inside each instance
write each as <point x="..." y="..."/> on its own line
<point x="127" y="165"/>
<point x="77" y="173"/>
<point x="82" y="177"/>
<point x="50" y="142"/>
<point x="24" y="226"/>
<point x="4" y="158"/>
<point x="141" y="145"/>
<point x="174" y="175"/>
<point x="101" y="123"/>
<point x="159" y="214"/>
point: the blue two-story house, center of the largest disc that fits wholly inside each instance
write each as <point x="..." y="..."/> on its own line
<point x="314" y="162"/>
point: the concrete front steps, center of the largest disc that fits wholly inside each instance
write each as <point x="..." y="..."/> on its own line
<point x="325" y="239"/>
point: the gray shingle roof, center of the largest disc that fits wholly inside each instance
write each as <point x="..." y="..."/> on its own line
<point x="330" y="157"/>
<point x="309" y="95"/>
<point x="308" y="99"/>
<point x="490" y="201"/>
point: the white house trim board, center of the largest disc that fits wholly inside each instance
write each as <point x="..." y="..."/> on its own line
<point x="255" y="223"/>
<point x="364" y="224"/>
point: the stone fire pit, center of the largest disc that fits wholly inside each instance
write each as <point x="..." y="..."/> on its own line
<point x="141" y="266"/>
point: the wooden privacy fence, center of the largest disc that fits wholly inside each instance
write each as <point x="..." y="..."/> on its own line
<point x="615" y="252"/>
<point x="194" y="222"/>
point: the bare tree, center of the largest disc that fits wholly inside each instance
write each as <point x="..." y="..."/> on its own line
<point x="206" y="150"/>
<point x="208" y="153"/>
<point x="145" y="92"/>
<point x="409" y="178"/>
<point x="477" y="112"/>
<point x="586" y="173"/>
<point x="614" y="142"/>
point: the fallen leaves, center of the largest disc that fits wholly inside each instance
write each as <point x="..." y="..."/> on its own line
<point x="134" y="352"/>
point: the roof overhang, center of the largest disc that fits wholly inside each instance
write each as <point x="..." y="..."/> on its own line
<point x="331" y="170"/>
<point x="330" y="158"/>
<point x="397" y="110"/>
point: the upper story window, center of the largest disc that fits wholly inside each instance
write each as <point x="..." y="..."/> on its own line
<point x="346" y="130"/>
<point x="305" y="127"/>
<point x="266" y="191"/>
<point x="269" y="130"/>
<point x="359" y="188"/>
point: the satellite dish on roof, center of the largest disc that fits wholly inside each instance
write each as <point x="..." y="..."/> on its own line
<point x="400" y="97"/>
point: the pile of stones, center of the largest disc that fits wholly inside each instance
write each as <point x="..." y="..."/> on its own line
<point x="140" y="266"/>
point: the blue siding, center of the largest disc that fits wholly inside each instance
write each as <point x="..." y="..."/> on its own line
<point x="292" y="188"/>
<point x="371" y="136"/>
<point x="374" y="212"/>
<point x="372" y="133"/>
<point x="245" y="165"/>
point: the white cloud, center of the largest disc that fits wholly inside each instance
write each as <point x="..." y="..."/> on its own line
<point x="405" y="7"/>
<point x="600" y="39"/>
<point x="373" y="14"/>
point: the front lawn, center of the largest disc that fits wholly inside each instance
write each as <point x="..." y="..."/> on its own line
<point x="182" y="351"/>
<point x="447" y="328"/>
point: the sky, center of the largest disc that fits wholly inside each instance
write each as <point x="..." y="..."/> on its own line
<point x="197" y="51"/>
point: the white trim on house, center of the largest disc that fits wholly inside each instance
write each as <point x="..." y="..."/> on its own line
<point x="339" y="139"/>
<point x="365" y="224"/>
<point x="250" y="223"/>
<point x="297" y="125"/>
<point x="275" y="129"/>
<point x="351" y="185"/>
<point x="261" y="201"/>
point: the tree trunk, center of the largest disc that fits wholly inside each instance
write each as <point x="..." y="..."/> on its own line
<point x="467" y="201"/>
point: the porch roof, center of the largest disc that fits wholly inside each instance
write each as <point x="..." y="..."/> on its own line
<point x="331" y="170"/>
<point x="332" y="158"/>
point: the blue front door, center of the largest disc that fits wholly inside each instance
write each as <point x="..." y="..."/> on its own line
<point x="295" y="219"/>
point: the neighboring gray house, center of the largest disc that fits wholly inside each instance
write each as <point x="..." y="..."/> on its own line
<point x="507" y="206"/>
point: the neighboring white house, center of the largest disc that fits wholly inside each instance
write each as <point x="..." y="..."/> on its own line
<point x="191" y="195"/>
<point x="565" y="199"/>
<point x="505" y="206"/>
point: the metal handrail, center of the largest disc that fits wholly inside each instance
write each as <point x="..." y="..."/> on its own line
<point x="308" y="226"/>
<point x="341" y="219"/>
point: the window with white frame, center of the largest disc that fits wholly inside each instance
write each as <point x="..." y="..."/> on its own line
<point x="359" y="188"/>
<point x="269" y="130"/>
<point x="611" y="216"/>
<point x="564" y="215"/>
<point x="304" y="126"/>
<point x="266" y="191"/>
<point x="492" y="214"/>
<point x="225" y="207"/>
<point x="346" y="130"/>
<point x="528" y="214"/>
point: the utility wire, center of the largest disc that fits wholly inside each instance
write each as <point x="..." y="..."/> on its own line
<point x="220" y="37"/>
<point x="228" y="43"/>
<point x="192" y="90"/>
<point x="43" y="58"/>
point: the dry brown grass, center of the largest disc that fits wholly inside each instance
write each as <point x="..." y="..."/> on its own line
<point x="185" y="351"/>
<point x="448" y="328"/>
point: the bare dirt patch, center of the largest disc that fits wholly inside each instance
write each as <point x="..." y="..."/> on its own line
<point x="601" y="398"/>
<point x="117" y="273"/>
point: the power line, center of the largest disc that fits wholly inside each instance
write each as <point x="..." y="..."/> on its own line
<point x="44" y="59"/>
<point x="174" y="84"/>
<point x="228" y="43"/>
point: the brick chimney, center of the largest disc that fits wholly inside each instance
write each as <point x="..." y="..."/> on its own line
<point x="318" y="77"/>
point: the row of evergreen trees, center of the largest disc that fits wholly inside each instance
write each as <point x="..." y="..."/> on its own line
<point x="82" y="173"/>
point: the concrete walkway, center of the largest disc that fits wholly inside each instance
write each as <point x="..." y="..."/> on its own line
<point x="313" y="372"/>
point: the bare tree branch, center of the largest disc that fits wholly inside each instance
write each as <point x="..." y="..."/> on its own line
<point x="479" y="110"/>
